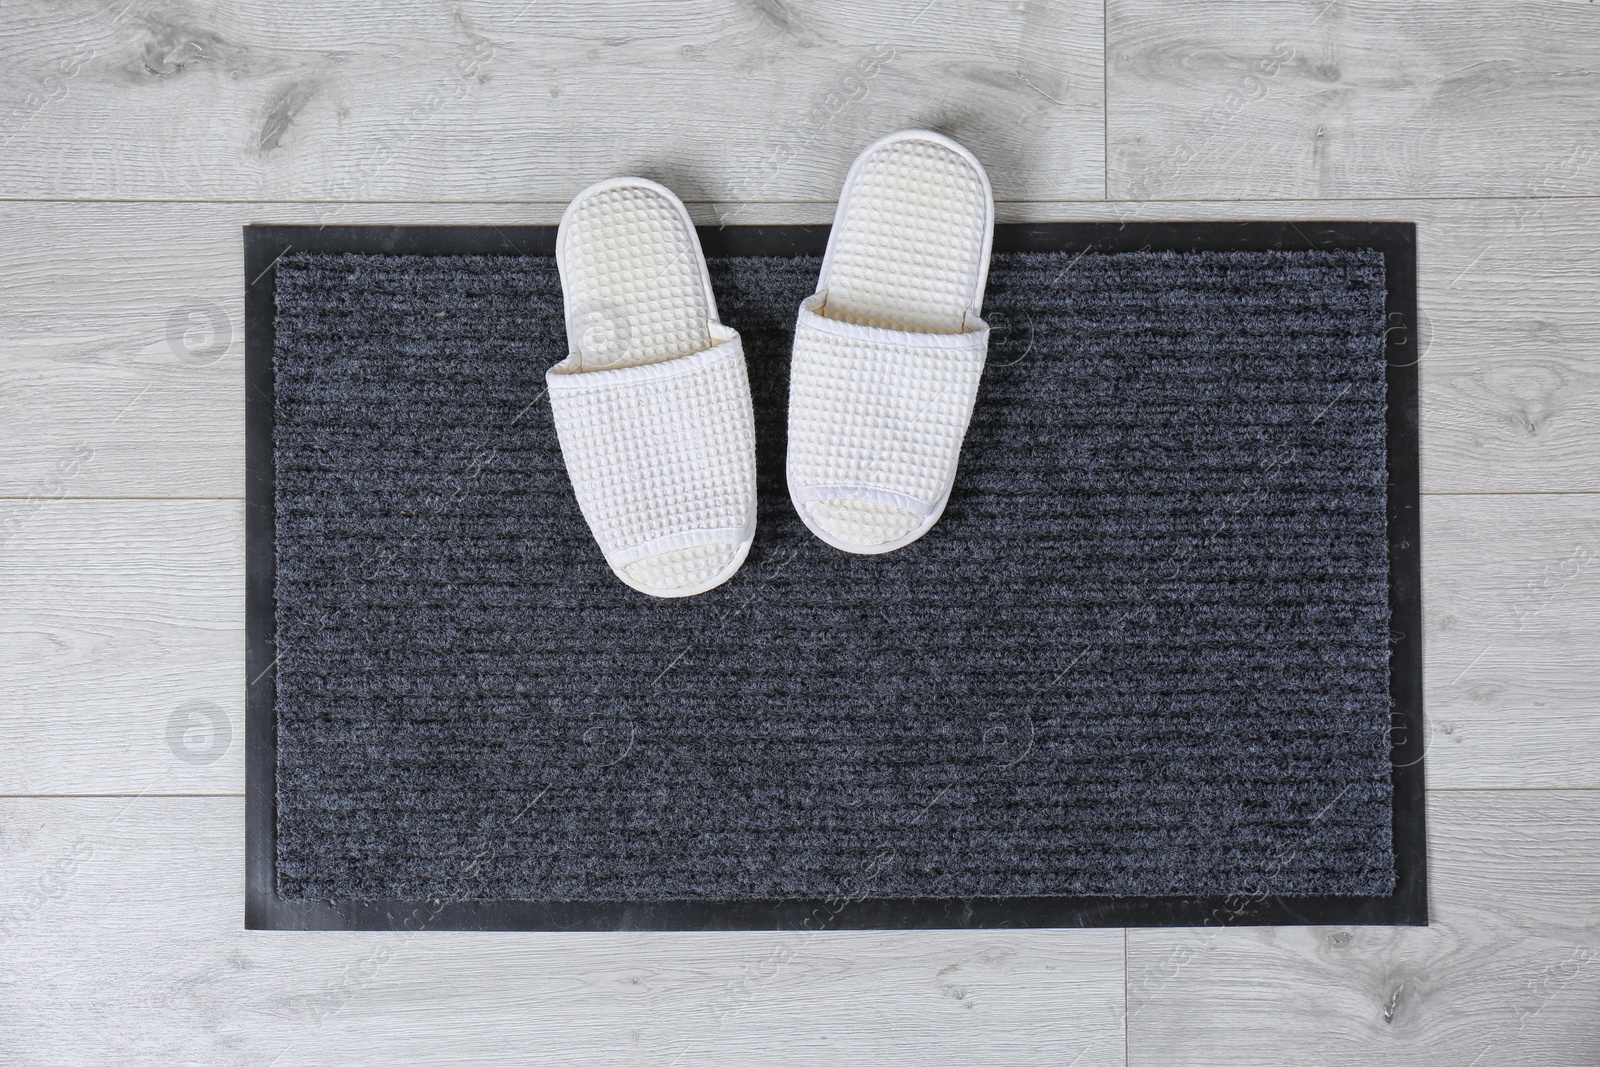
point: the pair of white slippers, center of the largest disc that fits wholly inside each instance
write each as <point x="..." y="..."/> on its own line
<point x="652" y="404"/>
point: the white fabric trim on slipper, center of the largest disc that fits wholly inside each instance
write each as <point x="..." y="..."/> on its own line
<point x="890" y="349"/>
<point x="876" y="421"/>
<point x="652" y="404"/>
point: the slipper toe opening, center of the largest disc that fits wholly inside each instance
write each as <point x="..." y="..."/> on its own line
<point x="679" y="570"/>
<point x="866" y="523"/>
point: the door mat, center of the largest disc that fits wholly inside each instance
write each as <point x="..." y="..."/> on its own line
<point x="1159" y="663"/>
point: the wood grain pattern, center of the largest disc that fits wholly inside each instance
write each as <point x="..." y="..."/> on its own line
<point x="1511" y="596"/>
<point x="1509" y="338"/>
<point x="125" y="613"/>
<point x="122" y="646"/>
<point x="121" y="377"/>
<point x="110" y="346"/>
<point x="1353" y="98"/>
<point x="1508" y="973"/>
<point x="419" y="100"/>
<point x="143" y="898"/>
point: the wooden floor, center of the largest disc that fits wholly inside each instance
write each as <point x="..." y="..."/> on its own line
<point x="137" y="137"/>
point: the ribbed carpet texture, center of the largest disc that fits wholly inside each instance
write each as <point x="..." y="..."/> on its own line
<point x="1145" y="652"/>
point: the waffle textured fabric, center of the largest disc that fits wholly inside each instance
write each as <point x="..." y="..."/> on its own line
<point x="876" y="417"/>
<point x="635" y="294"/>
<point x="1145" y="652"/>
<point x="923" y="208"/>
<point x="661" y="454"/>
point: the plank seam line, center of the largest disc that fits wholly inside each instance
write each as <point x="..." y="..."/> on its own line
<point x="1440" y="198"/>
<point x="240" y="499"/>
<point x="240" y="796"/>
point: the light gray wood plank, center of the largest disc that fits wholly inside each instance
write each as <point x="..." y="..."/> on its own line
<point x="1511" y="595"/>
<point x="126" y="618"/>
<point x="727" y="100"/>
<point x="121" y="361"/>
<point x="122" y="646"/>
<point x="114" y="380"/>
<point x="1508" y="972"/>
<point x="123" y="943"/>
<point x="1352" y="98"/>
<point x="1509" y="342"/>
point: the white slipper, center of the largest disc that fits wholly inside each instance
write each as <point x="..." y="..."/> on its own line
<point x="888" y="352"/>
<point x="652" y="404"/>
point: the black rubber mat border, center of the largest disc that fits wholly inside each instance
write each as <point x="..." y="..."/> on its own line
<point x="264" y="245"/>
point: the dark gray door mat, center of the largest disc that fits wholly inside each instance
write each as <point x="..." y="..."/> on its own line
<point x="1159" y="664"/>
